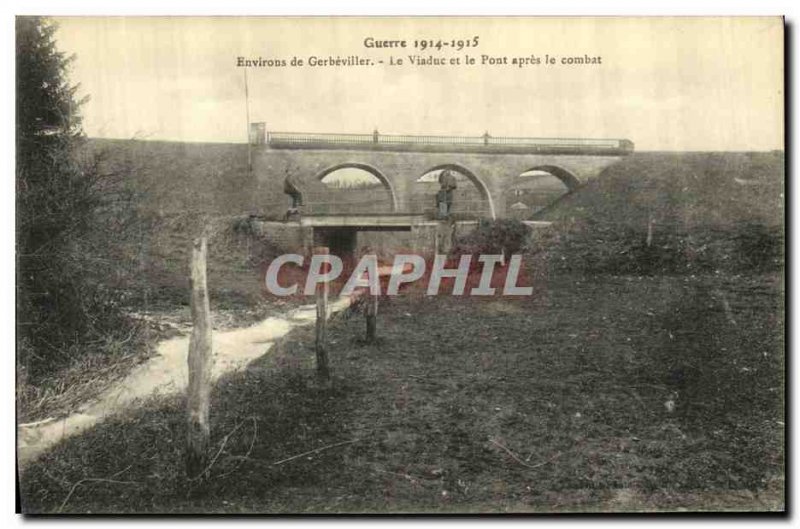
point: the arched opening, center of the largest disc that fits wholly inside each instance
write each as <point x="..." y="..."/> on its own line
<point x="352" y="188"/>
<point x="567" y="178"/>
<point x="471" y="198"/>
<point x="537" y="189"/>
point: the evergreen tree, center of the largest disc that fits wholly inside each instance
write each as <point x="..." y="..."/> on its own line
<point x="58" y="195"/>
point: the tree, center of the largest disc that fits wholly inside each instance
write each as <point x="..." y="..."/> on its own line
<point x="59" y="191"/>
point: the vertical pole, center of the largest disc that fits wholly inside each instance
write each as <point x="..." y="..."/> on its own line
<point x="321" y="343"/>
<point x="372" y="317"/>
<point x="247" y="114"/>
<point x="199" y="360"/>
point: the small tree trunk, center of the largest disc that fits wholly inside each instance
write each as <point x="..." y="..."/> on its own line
<point x="199" y="359"/>
<point x="372" y="318"/>
<point x="321" y="342"/>
<point x="650" y="223"/>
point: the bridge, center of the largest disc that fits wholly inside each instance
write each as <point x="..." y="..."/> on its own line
<point x="402" y="199"/>
<point x="490" y="165"/>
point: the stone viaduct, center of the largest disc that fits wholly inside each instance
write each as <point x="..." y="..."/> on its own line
<point x="491" y="164"/>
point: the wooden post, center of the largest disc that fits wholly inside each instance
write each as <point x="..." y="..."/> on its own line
<point x="321" y="342"/>
<point x="199" y="359"/>
<point x="372" y="317"/>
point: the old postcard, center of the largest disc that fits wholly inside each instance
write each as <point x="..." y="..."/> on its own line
<point x="343" y="265"/>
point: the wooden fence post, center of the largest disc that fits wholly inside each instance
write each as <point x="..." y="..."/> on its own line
<point x="320" y="345"/>
<point x="372" y="317"/>
<point x="199" y="360"/>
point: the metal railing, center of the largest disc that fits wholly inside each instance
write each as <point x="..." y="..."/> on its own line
<point x="287" y="139"/>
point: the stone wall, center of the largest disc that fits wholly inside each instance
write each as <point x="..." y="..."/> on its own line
<point x="286" y="236"/>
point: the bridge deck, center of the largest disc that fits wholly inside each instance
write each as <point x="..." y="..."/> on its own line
<point x="473" y="144"/>
<point x="365" y="220"/>
<point x="388" y="221"/>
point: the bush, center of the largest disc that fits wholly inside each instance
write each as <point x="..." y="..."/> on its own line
<point x="508" y="236"/>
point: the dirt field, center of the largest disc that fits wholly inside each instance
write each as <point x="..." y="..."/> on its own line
<point x="602" y="393"/>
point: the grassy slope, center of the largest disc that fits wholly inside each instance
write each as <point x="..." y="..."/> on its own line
<point x="682" y="189"/>
<point x="702" y="220"/>
<point x="180" y="186"/>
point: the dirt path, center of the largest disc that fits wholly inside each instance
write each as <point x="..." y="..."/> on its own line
<point x="166" y="373"/>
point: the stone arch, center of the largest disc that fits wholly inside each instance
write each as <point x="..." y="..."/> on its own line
<point x="537" y="190"/>
<point x="476" y="181"/>
<point x="569" y="179"/>
<point x="364" y="167"/>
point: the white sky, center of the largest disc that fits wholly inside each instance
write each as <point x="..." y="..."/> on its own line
<point x="672" y="83"/>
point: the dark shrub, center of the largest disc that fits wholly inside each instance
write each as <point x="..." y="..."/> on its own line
<point x="68" y="209"/>
<point x="507" y="236"/>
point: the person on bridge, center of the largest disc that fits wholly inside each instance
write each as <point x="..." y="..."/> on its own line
<point x="291" y="189"/>
<point x="444" y="198"/>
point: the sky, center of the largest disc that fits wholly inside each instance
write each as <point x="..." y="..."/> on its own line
<point x="666" y="84"/>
